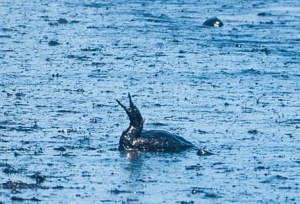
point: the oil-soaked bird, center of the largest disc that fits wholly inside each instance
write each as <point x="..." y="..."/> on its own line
<point x="135" y="138"/>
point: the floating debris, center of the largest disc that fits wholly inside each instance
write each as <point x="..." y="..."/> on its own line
<point x="11" y="170"/>
<point x="213" y="22"/>
<point x="39" y="178"/>
<point x="34" y="199"/>
<point x="20" y="185"/>
<point x="61" y="149"/>
<point x="264" y="14"/>
<point x="253" y="132"/>
<point x="53" y="43"/>
<point x="66" y="131"/>
<point x="62" y="21"/>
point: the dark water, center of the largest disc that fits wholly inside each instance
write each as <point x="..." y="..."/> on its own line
<point x="235" y="90"/>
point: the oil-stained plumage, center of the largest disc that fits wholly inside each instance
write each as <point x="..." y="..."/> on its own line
<point x="135" y="138"/>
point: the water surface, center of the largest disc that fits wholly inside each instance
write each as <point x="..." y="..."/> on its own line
<point x="234" y="89"/>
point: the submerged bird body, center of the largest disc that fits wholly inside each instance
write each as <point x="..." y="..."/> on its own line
<point x="156" y="141"/>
